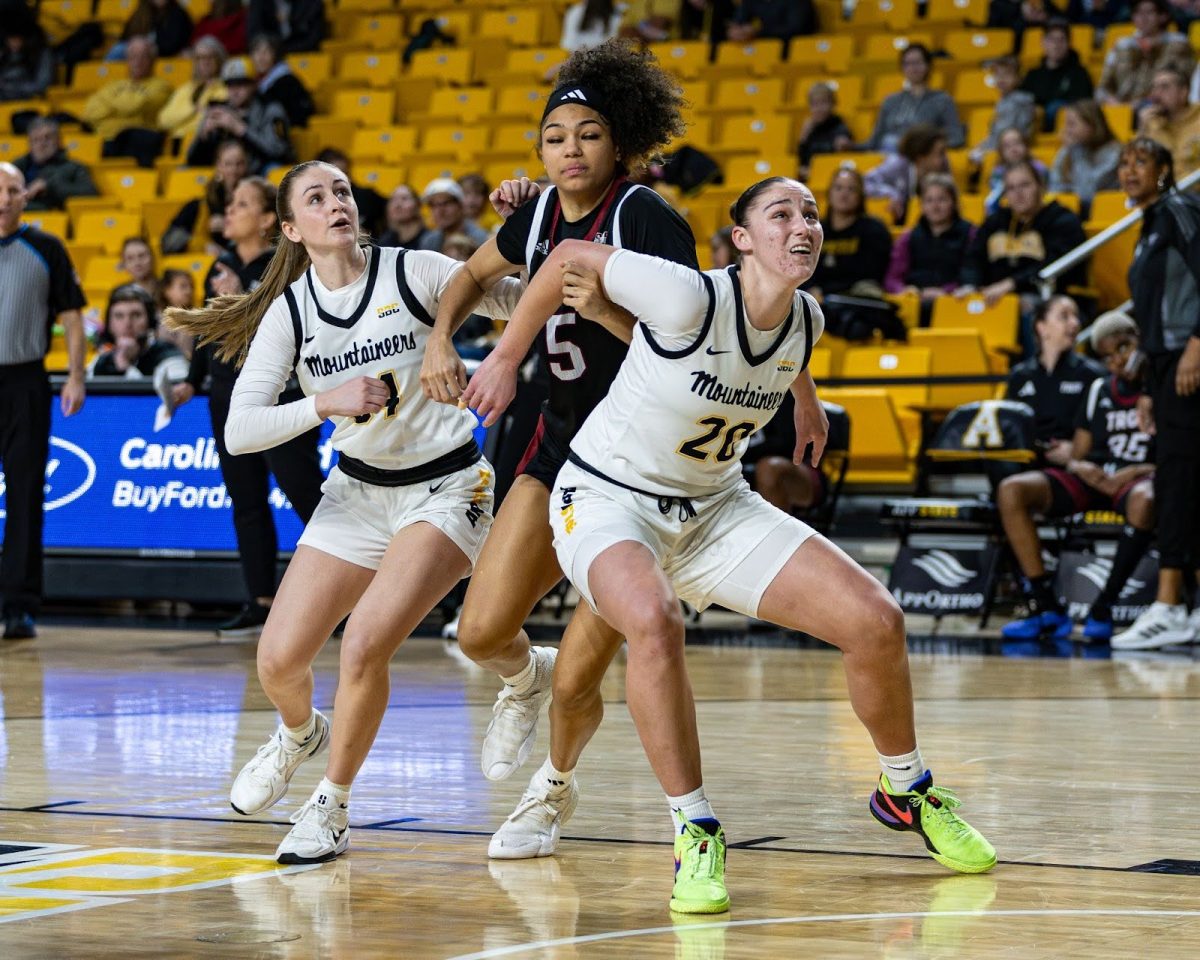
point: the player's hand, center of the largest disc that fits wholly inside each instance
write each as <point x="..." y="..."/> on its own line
<point x="225" y="282"/>
<point x="1187" y="373"/>
<point x="511" y="195"/>
<point x="182" y="392"/>
<point x="812" y="426"/>
<point x="126" y="351"/>
<point x="1145" y="415"/>
<point x="1058" y="452"/>
<point x="443" y="375"/>
<point x="583" y="291"/>
<point x="492" y="388"/>
<point x="72" y="396"/>
<point x="1090" y="473"/>
<point x="362" y="395"/>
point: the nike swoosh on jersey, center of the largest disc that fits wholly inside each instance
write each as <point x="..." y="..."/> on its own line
<point x="712" y="353"/>
<point x="310" y="339"/>
<point x="435" y="487"/>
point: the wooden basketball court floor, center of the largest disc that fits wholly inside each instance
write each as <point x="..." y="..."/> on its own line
<point x="116" y="838"/>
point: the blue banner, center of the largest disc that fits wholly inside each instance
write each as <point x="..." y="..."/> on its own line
<point x="113" y="483"/>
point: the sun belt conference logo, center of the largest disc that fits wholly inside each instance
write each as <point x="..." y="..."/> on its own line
<point x="70" y="473"/>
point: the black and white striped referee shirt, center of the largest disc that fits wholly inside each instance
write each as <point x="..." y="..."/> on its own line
<point x="37" y="283"/>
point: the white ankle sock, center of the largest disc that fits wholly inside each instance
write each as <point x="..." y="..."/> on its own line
<point x="557" y="780"/>
<point x="304" y="731"/>
<point x="523" y="680"/>
<point x="330" y="794"/>
<point x="903" y="771"/>
<point x="691" y="806"/>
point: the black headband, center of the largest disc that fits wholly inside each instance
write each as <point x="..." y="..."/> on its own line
<point x="575" y="93"/>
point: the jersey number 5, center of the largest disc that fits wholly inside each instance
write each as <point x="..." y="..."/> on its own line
<point x="565" y="358"/>
<point x="717" y="426"/>
<point x="393" y="400"/>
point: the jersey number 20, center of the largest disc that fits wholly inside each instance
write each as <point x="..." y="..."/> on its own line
<point x="393" y="400"/>
<point x="733" y="435"/>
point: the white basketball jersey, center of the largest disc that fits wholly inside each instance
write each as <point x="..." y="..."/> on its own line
<point x="677" y="421"/>
<point x="383" y="336"/>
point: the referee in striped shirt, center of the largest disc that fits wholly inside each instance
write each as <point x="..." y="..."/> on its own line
<point x="37" y="286"/>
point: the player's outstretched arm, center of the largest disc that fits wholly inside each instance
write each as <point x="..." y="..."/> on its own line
<point x="812" y="424"/>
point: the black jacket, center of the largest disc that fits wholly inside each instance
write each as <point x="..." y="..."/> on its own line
<point x="1002" y="249"/>
<point x="64" y="178"/>
<point x="1164" y="276"/>
<point x="293" y="96"/>
<point x="305" y="27"/>
<point x="1067" y="82"/>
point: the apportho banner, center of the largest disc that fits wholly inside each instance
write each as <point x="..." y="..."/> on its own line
<point x="940" y="581"/>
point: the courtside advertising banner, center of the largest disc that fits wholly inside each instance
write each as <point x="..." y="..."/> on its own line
<point x="939" y="581"/>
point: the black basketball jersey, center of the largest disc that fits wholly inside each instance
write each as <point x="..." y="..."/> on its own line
<point x="577" y="357"/>
<point x="1110" y="416"/>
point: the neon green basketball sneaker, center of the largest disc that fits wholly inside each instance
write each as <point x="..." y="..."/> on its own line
<point x="929" y="811"/>
<point x="700" y="869"/>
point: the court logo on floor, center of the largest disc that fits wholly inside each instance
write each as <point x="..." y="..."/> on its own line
<point x="44" y="879"/>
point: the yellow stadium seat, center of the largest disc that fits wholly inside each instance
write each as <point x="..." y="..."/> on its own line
<point x="459" y="24"/>
<point x="379" y="31"/>
<point x="175" y="70"/>
<point x="422" y="174"/>
<point x="1081" y="35"/>
<point x="313" y="69"/>
<point x="186" y="183"/>
<point x="70" y="13"/>
<point x="365" y="6"/>
<point x="534" y="64"/>
<point x="975" y="46"/>
<point x="885" y="47"/>
<point x="769" y="135"/>
<point x="686" y="59"/>
<point x="13" y="147"/>
<point x="878" y="449"/>
<point x="828" y="54"/>
<point x="447" y="66"/>
<point x="388" y="145"/>
<point x="197" y="264"/>
<point x="741" y="172"/>
<point x="466" y="104"/>
<point x="382" y="179"/>
<point x="759" y="57"/>
<point x="1110" y="269"/>
<point x="1115" y="33"/>
<point x="997" y="324"/>
<point x="973" y="12"/>
<point x="1108" y="206"/>
<point x="115" y="11"/>
<point x="1120" y="120"/>
<point x="107" y="229"/>
<point x="892" y="361"/>
<point x="157" y="216"/>
<point x="971" y="206"/>
<point x="455" y="141"/>
<point x="499" y="170"/>
<point x="893" y="14"/>
<point x="369" y="68"/>
<point x="520" y="103"/>
<point x="973" y="87"/>
<point x="53" y="222"/>
<point x="104" y="273"/>
<point x="130" y="186"/>
<point x="366" y="108"/>
<point x="515" y="138"/>
<point x="85" y="148"/>
<point x="820" y="364"/>
<point x="954" y="353"/>
<point x="747" y="95"/>
<point x="848" y="91"/>
<point x="91" y="75"/>
<point x="520" y="26"/>
<point x="825" y="165"/>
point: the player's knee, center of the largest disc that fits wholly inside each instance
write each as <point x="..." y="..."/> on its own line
<point x="575" y="694"/>
<point x="364" y="653"/>
<point x="480" y="636"/>
<point x="657" y="625"/>
<point x="883" y="623"/>
<point x="1139" y="507"/>
<point x="276" y="667"/>
<point x="1010" y="495"/>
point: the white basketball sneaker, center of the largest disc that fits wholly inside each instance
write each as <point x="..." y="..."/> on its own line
<point x="320" y="833"/>
<point x="1160" y="625"/>
<point x="263" y="781"/>
<point x="509" y="737"/>
<point x="532" y="829"/>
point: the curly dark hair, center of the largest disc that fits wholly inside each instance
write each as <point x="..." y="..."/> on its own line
<point x="642" y="101"/>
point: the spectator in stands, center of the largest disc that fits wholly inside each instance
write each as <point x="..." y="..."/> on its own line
<point x="301" y="23"/>
<point x="854" y="259"/>
<point x="1132" y="63"/>
<point x="209" y="210"/>
<point x="458" y="246"/>
<point x="1088" y="159"/>
<point x="178" y="290"/>
<point x="1109" y="467"/>
<point x="1015" y="108"/>
<point x="277" y="83"/>
<point x="1098" y="13"/>
<point x="180" y="116"/>
<point x="128" y="347"/>
<point x="1019" y="15"/>
<point x="444" y="197"/>
<point x="1164" y="280"/>
<point x="1016" y="241"/>
<point x="137" y="262"/>
<point x="780" y="19"/>
<point x="724" y="252"/>
<point x="589" y="23"/>
<point x="250" y="228"/>
<point x="226" y="22"/>
<point x="823" y="131"/>
<point x="163" y="21"/>
<point x="1060" y="78"/>
<point x="1013" y="146"/>
<point x="921" y="151"/>
<point x="1172" y="120"/>
<point x="372" y="207"/>
<point x="26" y="62"/>
<point x="405" y="227"/>
<point x="916" y="103"/>
<point x="261" y="127"/>
<point x="50" y="175"/>
<point x="40" y="289"/>
<point x="927" y="260"/>
<point x="694" y="13"/>
<point x="125" y="112"/>
<point x="475" y="202"/>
